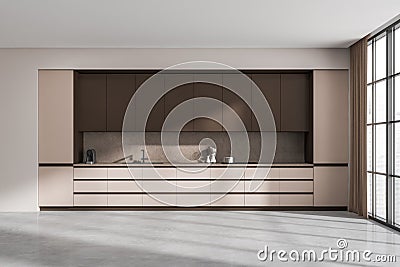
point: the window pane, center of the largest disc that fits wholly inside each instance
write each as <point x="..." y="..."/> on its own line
<point x="369" y="64"/>
<point x="369" y="193"/>
<point x="397" y="97"/>
<point x="380" y="197"/>
<point x="397" y="200"/>
<point x="380" y="148"/>
<point x="397" y="148"/>
<point x="369" y="148"/>
<point x="369" y="104"/>
<point x="380" y="58"/>
<point x="397" y="50"/>
<point x="380" y="101"/>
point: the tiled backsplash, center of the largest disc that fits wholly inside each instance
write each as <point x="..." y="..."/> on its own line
<point x="108" y="145"/>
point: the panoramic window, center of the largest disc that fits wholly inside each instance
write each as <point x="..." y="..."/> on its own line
<point x="383" y="126"/>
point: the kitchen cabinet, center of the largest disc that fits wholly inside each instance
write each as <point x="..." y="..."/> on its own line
<point x="125" y="200"/>
<point x="209" y="90"/>
<point x="55" y="116"/>
<point x="331" y="116"/>
<point x="331" y="186"/>
<point x="91" y="103"/>
<point x="178" y="95"/>
<point x="236" y="103"/>
<point x="90" y="186"/>
<point x="55" y="186"/>
<point x="159" y="200"/>
<point x="120" y="90"/>
<point x="156" y="117"/>
<point x="235" y="200"/>
<point x="90" y="173"/>
<point x="291" y="200"/>
<point x="193" y="188"/>
<point x="90" y="200"/>
<point x="295" y="102"/>
<point x="270" y="86"/>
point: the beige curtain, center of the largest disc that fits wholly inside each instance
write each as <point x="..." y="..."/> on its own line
<point x="358" y="128"/>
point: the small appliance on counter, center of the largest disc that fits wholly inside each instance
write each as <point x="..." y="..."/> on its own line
<point x="212" y="155"/>
<point x="229" y="160"/>
<point x="90" y="156"/>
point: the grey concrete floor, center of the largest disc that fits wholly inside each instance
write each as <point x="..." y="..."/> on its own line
<point x="183" y="238"/>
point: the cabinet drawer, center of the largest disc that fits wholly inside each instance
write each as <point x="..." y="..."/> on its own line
<point x="125" y="200"/>
<point x="220" y="186"/>
<point x="124" y="173"/>
<point x="160" y="186"/>
<point x="193" y="200"/>
<point x="227" y="173"/>
<point x="261" y="200"/>
<point x="156" y="200"/>
<point x="262" y="173"/>
<point x="296" y="200"/>
<point x="90" y="186"/>
<point x="296" y="186"/>
<point x="159" y="173"/>
<point x="266" y="186"/>
<point x="193" y="186"/>
<point x="81" y="200"/>
<point x="123" y="186"/>
<point x="236" y="200"/>
<point x="296" y="173"/>
<point x="90" y="173"/>
<point x="192" y="173"/>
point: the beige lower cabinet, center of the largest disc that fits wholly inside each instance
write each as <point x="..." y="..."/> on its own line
<point x="124" y="173"/>
<point x="125" y="200"/>
<point x="331" y="186"/>
<point x="236" y="200"/>
<point x="159" y="180"/>
<point x="90" y="173"/>
<point x="253" y="199"/>
<point x="159" y="200"/>
<point x="90" y="186"/>
<point x="296" y="173"/>
<point x="295" y="200"/>
<point x="90" y="200"/>
<point x="55" y="186"/>
<point x="193" y="200"/>
<point x="258" y="186"/>
<point x="296" y="186"/>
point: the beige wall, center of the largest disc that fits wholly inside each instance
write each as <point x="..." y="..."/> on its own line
<point x="18" y="95"/>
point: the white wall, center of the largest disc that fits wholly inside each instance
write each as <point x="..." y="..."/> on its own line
<point x="18" y="94"/>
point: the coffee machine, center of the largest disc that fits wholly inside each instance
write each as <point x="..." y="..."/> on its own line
<point x="90" y="156"/>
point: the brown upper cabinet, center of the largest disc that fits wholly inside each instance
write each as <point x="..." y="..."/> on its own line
<point x="270" y="86"/>
<point x="120" y="89"/>
<point x="101" y="101"/>
<point x="295" y="102"/>
<point x="236" y="102"/>
<point x="209" y="89"/>
<point x="179" y="94"/>
<point x="155" y="119"/>
<point x="91" y="103"/>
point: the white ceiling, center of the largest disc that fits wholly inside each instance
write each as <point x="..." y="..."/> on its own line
<point x="190" y="23"/>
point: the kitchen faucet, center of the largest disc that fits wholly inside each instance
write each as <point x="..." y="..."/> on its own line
<point x="143" y="159"/>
